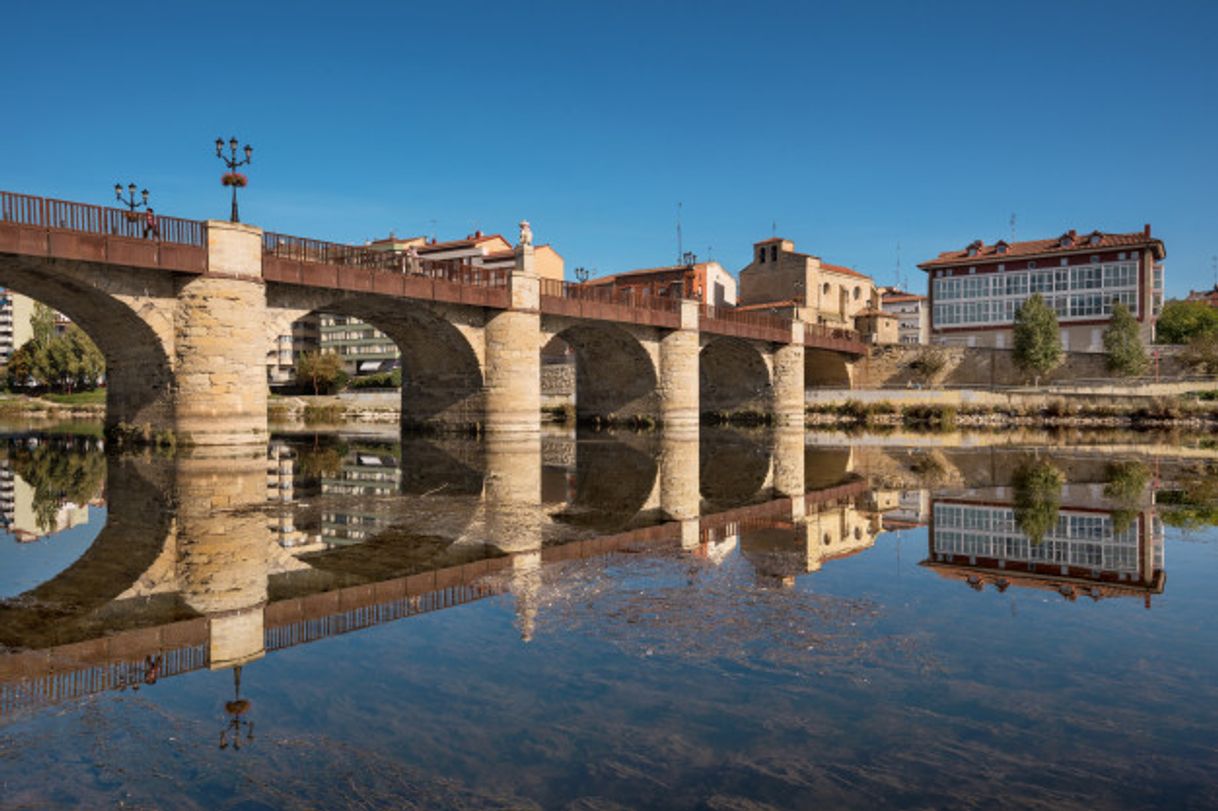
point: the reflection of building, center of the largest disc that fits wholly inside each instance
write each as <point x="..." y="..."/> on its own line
<point x="974" y="292"/>
<point x="836" y="529"/>
<point x="21" y="519"/>
<point x="281" y="492"/>
<point x="706" y="282"/>
<point x="912" y="510"/>
<point x="363" y="473"/>
<point x="1084" y="554"/>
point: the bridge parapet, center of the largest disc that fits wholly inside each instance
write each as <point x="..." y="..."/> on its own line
<point x="40" y="226"/>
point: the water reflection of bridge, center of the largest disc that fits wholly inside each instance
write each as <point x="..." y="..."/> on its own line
<point x="215" y="587"/>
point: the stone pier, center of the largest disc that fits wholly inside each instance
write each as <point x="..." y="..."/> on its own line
<point x="513" y="355"/>
<point x="223" y="541"/>
<point x="680" y="493"/>
<point x="678" y="383"/>
<point x="789" y="394"/>
<point x="219" y="390"/>
<point x="788" y="462"/>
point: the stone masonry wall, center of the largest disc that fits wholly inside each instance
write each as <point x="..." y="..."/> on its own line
<point x="890" y="366"/>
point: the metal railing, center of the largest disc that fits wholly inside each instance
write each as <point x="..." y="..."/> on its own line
<point x="752" y="319"/>
<point x="605" y="294"/>
<point x="303" y="249"/>
<point x="42" y="212"/>
<point x="831" y="333"/>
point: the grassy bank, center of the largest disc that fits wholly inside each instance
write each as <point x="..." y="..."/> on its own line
<point x="1158" y="413"/>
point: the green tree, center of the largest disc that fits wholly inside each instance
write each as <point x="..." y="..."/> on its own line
<point x="57" y="362"/>
<point x="1038" y="345"/>
<point x="322" y="370"/>
<point x="1201" y="353"/>
<point x="1038" y="498"/>
<point x="42" y="322"/>
<point x="1182" y="321"/>
<point x="1123" y="343"/>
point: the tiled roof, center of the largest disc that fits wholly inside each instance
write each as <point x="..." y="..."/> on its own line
<point x="643" y="272"/>
<point x="843" y="269"/>
<point x="1079" y="243"/>
<point x="896" y="298"/>
<point x="453" y="244"/>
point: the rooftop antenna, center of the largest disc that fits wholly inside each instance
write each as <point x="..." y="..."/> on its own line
<point x="680" y="246"/>
<point x="1214" y="267"/>
<point x="433" y="229"/>
<point x="773" y="228"/>
<point x="900" y="281"/>
<point x="1012" y="226"/>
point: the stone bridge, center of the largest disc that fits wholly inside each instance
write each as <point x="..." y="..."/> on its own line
<point x="185" y="320"/>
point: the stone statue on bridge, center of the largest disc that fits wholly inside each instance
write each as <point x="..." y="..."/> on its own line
<point x="526" y="234"/>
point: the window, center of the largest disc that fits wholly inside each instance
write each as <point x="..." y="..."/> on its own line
<point x="1061" y="280"/>
<point x="826" y="288"/>
<point x="761" y="255"/>
<point x="1087" y="277"/>
<point x="857" y="292"/>
<point x="1031" y="264"/>
<point x="773" y="253"/>
<point x="1041" y="282"/>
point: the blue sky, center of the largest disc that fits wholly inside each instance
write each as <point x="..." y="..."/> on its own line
<point x="854" y="127"/>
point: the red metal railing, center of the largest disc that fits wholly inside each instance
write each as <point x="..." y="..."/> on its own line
<point x="41" y="212"/>
<point x="302" y="249"/>
<point x="606" y="294"/>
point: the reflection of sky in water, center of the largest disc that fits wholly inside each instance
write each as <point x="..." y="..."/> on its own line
<point x="25" y="565"/>
<point x="668" y="679"/>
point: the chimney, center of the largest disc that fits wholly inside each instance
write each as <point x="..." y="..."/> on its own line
<point x="478" y="235"/>
<point x="1146" y="229"/>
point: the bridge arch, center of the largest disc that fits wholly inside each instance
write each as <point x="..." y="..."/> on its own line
<point x="615" y="374"/>
<point x="824" y="368"/>
<point x="138" y="528"/>
<point x="733" y="377"/>
<point x="440" y="348"/>
<point x="133" y="332"/>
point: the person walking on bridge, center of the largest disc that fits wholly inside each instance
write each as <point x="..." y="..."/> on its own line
<point x="151" y="225"/>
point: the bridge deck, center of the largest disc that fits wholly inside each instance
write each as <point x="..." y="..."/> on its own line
<point x="58" y="229"/>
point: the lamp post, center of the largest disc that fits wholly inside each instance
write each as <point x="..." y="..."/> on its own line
<point x="130" y="202"/>
<point x="232" y="177"/>
<point x="582" y="274"/>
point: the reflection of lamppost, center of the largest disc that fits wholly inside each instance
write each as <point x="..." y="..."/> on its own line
<point x="232" y="177"/>
<point x="582" y="273"/>
<point x="235" y="709"/>
<point x="130" y="202"/>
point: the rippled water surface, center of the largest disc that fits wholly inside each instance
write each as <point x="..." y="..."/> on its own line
<point x="746" y="620"/>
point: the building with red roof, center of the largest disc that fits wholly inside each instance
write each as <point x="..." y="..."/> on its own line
<point x="975" y="291"/>
<point x="706" y="282"/>
<point x="783" y="280"/>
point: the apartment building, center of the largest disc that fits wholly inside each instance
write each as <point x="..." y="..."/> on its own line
<point x="911" y="312"/>
<point x="975" y="291"/>
<point x="16" y="311"/>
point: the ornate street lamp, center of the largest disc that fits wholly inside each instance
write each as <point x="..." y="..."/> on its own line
<point x="130" y="202"/>
<point x="232" y="177"/>
<point x="582" y="273"/>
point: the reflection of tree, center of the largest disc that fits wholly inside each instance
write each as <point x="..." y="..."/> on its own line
<point x="1125" y="488"/>
<point x="1038" y="498"/>
<point x="59" y="472"/>
<point x="1195" y="504"/>
<point x="321" y="461"/>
